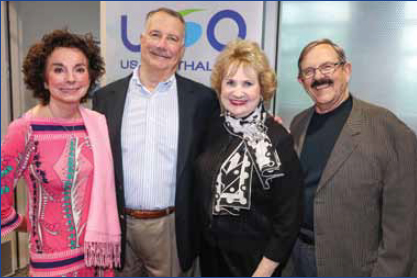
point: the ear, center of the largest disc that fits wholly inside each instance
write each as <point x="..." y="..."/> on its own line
<point x="347" y="70"/>
<point x="300" y="80"/>
<point x="182" y="51"/>
<point x="46" y="85"/>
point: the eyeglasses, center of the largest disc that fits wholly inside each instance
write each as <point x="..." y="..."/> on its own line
<point x="325" y="69"/>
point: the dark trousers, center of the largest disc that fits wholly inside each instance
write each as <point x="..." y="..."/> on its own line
<point x="304" y="259"/>
<point x="219" y="262"/>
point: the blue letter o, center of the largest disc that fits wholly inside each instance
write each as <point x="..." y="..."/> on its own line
<point x="219" y="16"/>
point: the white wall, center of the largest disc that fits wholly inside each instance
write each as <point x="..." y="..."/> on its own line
<point x="32" y="19"/>
<point x="5" y="112"/>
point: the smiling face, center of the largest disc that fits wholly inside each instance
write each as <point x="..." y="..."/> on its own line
<point x="330" y="90"/>
<point x="241" y="91"/>
<point x="66" y="75"/>
<point x="162" y="44"/>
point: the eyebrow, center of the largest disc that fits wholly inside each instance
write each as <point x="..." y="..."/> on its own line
<point x="62" y="65"/>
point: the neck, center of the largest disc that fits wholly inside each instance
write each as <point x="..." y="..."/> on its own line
<point x="151" y="78"/>
<point x="323" y="109"/>
<point x="64" y="111"/>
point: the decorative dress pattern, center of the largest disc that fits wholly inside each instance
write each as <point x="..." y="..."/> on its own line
<point x="55" y="159"/>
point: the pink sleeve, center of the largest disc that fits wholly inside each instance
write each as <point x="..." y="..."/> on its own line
<point x="14" y="160"/>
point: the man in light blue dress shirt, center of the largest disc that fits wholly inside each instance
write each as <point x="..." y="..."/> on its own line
<point x="156" y="122"/>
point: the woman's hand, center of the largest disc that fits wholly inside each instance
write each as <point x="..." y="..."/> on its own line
<point x="23" y="227"/>
<point x="265" y="268"/>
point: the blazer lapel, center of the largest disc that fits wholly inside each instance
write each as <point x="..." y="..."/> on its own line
<point x="186" y="108"/>
<point x="299" y="134"/>
<point x="346" y="143"/>
<point x="114" y="120"/>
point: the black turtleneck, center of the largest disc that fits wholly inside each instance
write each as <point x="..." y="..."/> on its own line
<point x="322" y="133"/>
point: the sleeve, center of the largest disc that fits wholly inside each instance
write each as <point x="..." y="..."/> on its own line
<point x="14" y="158"/>
<point x="288" y="203"/>
<point x="399" y="208"/>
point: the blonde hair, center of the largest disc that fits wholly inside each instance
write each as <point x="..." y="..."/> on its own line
<point x="245" y="53"/>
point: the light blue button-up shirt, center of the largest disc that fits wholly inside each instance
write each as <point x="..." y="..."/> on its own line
<point x="150" y="128"/>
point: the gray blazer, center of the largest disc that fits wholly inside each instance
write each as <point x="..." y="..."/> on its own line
<point x="365" y="210"/>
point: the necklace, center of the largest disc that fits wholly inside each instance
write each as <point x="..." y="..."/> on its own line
<point x="65" y="128"/>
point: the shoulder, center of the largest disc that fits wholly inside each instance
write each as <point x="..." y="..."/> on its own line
<point x="369" y="109"/>
<point x="115" y="85"/>
<point x="375" y="115"/>
<point x="17" y="131"/>
<point x="300" y="118"/>
<point x="277" y="132"/>
<point x="188" y="84"/>
<point x="21" y="123"/>
<point x="94" y="115"/>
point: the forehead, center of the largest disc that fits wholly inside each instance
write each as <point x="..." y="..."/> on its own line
<point x="67" y="55"/>
<point x="320" y="54"/>
<point x="165" y="23"/>
<point x="242" y="71"/>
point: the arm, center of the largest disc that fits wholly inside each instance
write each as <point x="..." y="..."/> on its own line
<point x="287" y="208"/>
<point x="265" y="268"/>
<point x="15" y="154"/>
<point x="399" y="213"/>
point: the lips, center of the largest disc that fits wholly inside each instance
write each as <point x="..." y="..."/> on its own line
<point x="324" y="86"/>
<point x="69" y="90"/>
<point x="237" y="102"/>
<point x="160" y="53"/>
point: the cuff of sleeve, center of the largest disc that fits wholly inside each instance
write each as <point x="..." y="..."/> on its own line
<point x="10" y="223"/>
<point x="276" y="252"/>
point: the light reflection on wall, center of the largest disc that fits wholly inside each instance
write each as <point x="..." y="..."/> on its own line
<point x="410" y="10"/>
<point x="409" y="38"/>
<point x="321" y="12"/>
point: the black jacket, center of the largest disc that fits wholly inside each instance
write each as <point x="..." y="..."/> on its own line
<point x="271" y="225"/>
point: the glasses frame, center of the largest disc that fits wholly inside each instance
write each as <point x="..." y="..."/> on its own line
<point x="320" y="68"/>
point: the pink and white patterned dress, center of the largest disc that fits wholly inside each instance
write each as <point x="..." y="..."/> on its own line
<point x="55" y="158"/>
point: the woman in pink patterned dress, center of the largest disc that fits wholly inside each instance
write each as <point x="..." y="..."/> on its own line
<point x="62" y="150"/>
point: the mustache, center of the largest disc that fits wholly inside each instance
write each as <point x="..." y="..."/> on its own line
<point x="160" y="51"/>
<point x="322" y="81"/>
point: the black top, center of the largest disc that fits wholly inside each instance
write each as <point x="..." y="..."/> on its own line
<point x="271" y="225"/>
<point x="322" y="133"/>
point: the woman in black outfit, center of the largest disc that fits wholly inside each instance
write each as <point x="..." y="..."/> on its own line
<point x="249" y="180"/>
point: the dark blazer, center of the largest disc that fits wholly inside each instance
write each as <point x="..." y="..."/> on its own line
<point x="197" y="104"/>
<point x="365" y="203"/>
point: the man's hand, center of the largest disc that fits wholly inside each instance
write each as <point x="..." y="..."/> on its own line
<point x="278" y="120"/>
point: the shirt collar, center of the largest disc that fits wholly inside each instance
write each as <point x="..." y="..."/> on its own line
<point x="162" y="87"/>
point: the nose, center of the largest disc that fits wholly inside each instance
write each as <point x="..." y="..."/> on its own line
<point x="162" y="43"/>
<point x="318" y="74"/>
<point x="70" y="77"/>
<point x="239" y="92"/>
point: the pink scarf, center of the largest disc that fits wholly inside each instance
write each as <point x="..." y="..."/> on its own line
<point x="102" y="237"/>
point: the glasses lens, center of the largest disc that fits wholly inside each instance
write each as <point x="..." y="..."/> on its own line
<point x="308" y="73"/>
<point x="327" y="68"/>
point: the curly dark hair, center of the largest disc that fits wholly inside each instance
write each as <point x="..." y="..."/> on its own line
<point x="34" y="65"/>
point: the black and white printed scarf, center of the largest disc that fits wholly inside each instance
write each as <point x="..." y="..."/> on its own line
<point x="255" y="152"/>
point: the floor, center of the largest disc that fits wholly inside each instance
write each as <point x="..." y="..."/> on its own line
<point x="21" y="273"/>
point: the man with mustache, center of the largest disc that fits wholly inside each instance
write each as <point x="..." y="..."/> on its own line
<point x="360" y="175"/>
<point x="156" y="121"/>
